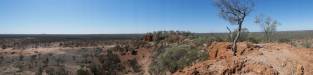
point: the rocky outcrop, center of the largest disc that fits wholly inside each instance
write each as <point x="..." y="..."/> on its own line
<point x="253" y="59"/>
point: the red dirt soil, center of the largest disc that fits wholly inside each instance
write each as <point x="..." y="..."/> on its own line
<point x="253" y="59"/>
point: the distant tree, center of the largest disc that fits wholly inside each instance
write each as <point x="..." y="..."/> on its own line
<point x="235" y="12"/>
<point x="268" y="26"/>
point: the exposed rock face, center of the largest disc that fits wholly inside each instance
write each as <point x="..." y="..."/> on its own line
<point x="219" y="51"/>
<point x="237" y="67"/>
<point x="300" y="70"/>
<point x="263" y="59"/>
<point x="252" y="59"/>
<point x="148" y="38"/>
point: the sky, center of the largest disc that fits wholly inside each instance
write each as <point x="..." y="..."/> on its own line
<point x="140" y="16"/>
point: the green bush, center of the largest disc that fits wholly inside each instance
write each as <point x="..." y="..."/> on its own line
<point x="82" y="71"/>
<point x="176" y="57"/>
<point x="111" y="64"/>
<point x="60" y="70"/>
<point x="97" y="69"/>
<point x="199" y="40"/>
<point x="219" y="39"/>
<point x="168" y="36"/>
<point x="284" y="40"/>
<point x="307" y="44"/>
<point x="254" y="40"/>
<point x="107" y="64"/>
<point x="134" y="65"/>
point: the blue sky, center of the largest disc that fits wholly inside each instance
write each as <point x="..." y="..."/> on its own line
<point x="139" y="16"/>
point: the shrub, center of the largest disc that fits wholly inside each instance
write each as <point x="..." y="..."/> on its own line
<point x="176" y="57"/>
<point x="111" y="64"/>
<point x="219" y="39"/>
<point x="107" y="64"/>
<point x="134" y="65"/>
<point x="134" y="52"/>
<point x="60" y="70"/>
<point x="39" y="70"/>
<point x="199" y="40"/>
<point x="284" y="40"/>
<point x="254" y="40"/>
<point x="169" y="36"/>
<point x="307" y="44"/>
<point x="96" y="69"/>
<point x="82" y="71"/>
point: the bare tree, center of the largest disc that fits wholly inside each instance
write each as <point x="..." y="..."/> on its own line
<point x="244" y="34"/>
<point x="230" y="34"/>
<point x="235" y="12"/>
<point x="268" y="25"/>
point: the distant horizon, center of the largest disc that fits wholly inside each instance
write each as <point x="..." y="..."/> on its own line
<point x="142" y="33"/>
<point x="140" y="16"/>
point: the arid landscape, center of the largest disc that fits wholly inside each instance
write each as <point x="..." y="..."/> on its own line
<point x="156" y="37"/>
<point x="157" y="53"/>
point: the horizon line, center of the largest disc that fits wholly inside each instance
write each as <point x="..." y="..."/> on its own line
<point x="122" y="33"/>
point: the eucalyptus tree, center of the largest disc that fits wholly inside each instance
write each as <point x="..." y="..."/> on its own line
<point x="235" y="12"/>
<point x="268" y="26"/>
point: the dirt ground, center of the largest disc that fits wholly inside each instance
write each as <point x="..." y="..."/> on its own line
<point x="251" y="59"/>
<point x="254" y="59"/>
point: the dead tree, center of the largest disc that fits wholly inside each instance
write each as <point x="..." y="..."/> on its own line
<point x="235" y="12"/>
<point x="230" y="34"/>
<point x="268" y="25"/>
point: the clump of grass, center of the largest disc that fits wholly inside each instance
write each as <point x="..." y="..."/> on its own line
<point x="60" y="70"/>
<point x="134" y="65"/>
<point x="284" y="40"/>
<point x="82" y="71"/>
<point x="168" y="36"/>
<point x="111" y="64"/>
<point x="254" y="40"/>
<point x="176" y="57"/>
<point x="199" y="40"/>
<point x="307" y="44"/>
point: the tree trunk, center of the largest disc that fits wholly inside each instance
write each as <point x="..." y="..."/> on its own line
<point x="234" y="45"/>
<point x="267" y="36"/>
<point x="230" y="39"/>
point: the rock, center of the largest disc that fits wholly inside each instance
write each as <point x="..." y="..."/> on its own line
<point x="300" y="70"/>
<point x="283" y="64"/>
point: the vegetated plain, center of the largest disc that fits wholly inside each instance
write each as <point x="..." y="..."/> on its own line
<point x="155" y="53"/>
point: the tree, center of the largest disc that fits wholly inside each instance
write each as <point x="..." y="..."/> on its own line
<point x="268" y="25"/>
<point x="244" y="34"/>
<point x="235" y="12"/>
